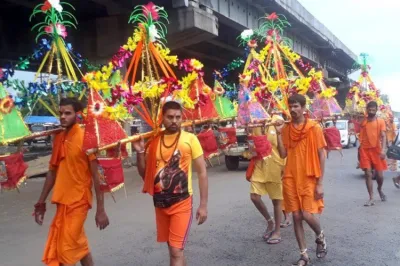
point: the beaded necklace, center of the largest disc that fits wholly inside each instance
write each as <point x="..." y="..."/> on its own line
<point x="162" y="144"/>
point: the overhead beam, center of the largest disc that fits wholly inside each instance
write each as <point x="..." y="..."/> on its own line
<point x="112" y="7"/>
<point x="225" y="46"/>
<point x="24" y="3"/>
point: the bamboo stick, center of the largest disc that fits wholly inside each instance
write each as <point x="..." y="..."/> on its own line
<point x="44" y="133"/>
<point x="150" y="134"/>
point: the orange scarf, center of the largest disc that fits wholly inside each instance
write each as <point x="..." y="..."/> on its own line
<point x="151" y="165"/>
<point x="58" y="153"/>
<point x="313" y="166"/>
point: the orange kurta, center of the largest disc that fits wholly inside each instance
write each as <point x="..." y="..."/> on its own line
<point x="371" y="146"/>
<point x="302" y="169"/>
<point x="67" y="242"/>
<point x="391" y="131"/>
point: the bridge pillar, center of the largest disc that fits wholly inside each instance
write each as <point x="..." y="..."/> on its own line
<point x="190" y="23"/>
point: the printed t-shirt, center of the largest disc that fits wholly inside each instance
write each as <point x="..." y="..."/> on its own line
<point x="173" y="180"/>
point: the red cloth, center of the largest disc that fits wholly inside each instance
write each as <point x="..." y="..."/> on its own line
<point x="112" y="173"/>
<point x="15" y="169"/>
<point x="357" y="126"/>
<point x="227" y="136"/>
<point x="100" y="130"/>
<point x="205" y="108"/>
<point x="332" y="138"/>
<point x="208" y="142"/>
<point x="114" y="153"/>
<point x="262" y="146"/>
<point x="250" y="169"/>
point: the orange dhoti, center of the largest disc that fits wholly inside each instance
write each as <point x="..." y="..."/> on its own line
<point x="303" y="199"/>
<point x="67" y="242"/>
<point x="370" y="158"/>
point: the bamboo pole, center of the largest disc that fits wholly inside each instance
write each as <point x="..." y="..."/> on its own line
<point x="151" y="133"/>
<point x="44" y="133"/>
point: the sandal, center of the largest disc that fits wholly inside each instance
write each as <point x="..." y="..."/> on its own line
<point x="286" y="224"/>
<point x="396" y="184"/>
<point x="304" y="259"/>
<point x="383" y="197"/>
<point x="274" y="241"/>
<point x="321" y="246"/>
<point x="267" y="233"/>
<point x="369" y="203"/>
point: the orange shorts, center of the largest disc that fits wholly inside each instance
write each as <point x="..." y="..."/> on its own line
<point x="371" y="158"/>
<point x="173" y="223"/>
<point x="304" y="201"/>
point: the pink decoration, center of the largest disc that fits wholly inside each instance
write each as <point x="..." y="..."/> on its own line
<point x="151" y="10"/>
<point x="60" y="29"/>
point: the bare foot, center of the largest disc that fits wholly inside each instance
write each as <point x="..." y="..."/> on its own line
<point x="382" y="195"/>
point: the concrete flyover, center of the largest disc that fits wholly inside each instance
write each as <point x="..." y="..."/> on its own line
<point x="205" y="29"/>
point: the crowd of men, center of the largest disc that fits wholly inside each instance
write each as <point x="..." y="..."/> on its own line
<point x="292" y="176"/>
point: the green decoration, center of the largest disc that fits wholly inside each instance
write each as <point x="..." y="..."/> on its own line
<point x="223" y="105"/>
<point x="150" y="16"/>
<point x="56" y="19"/>
<point x="12" y="125"/>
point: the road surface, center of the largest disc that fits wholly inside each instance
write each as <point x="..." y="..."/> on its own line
<point x="232" y="235"/>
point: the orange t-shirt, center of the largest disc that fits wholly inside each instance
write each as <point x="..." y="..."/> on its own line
<point x="370" y="135"/>
<point x="73" y="175"/>
<point x="173" y="179"/>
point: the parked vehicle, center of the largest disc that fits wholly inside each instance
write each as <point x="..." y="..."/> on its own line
<point x="234" y="154"/>
<point x="348" y="137"/>
<point x="40" y="128"/>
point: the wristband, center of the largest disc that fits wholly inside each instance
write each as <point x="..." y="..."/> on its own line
<point x="39" y="208"/>
<point x="140" y="152"/>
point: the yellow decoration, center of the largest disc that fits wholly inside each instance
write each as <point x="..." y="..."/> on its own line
<point x="118" y="112"/>
<point x="197" y="65"/>
<point x="328" y="93"/>
<point x="164" y="53"/>
<point x="292" y="56"/>
<point x="149" y="88"/>
<point x="303" y="84"/>
<point x="317" y="75"/>
<point x="264" y="52"/>
<point x="186" y="81"/>
<point x="133" y="41"/>
<point x="361" y="103"/>
<point x="274" y="85"/>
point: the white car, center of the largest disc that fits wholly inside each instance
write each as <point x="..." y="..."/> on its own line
<point x="347" y="135"/>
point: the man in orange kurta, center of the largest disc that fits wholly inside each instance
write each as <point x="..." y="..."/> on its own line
<point x="372" y="150"/>
<point x="302" y="143"/>
<point x="391" y="131"/>
<point x="70" y="174"/>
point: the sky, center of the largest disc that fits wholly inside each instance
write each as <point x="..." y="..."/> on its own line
<point x="367" y="26"/>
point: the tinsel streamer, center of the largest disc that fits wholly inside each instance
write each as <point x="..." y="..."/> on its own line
<point x="148" y="63"/>
<point x="47" y="107"/>
<point x="51" y="59"/>
<point x="153" y="63"/>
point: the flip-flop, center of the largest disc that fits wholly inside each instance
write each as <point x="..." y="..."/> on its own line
<point x="383" y="197"/>
<point x="274" y="241"/>
<point x="285" y="225"/>
<point x="267" y="235"/>
<point x="397" y="185"/>
<point x="369" y="203"/>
